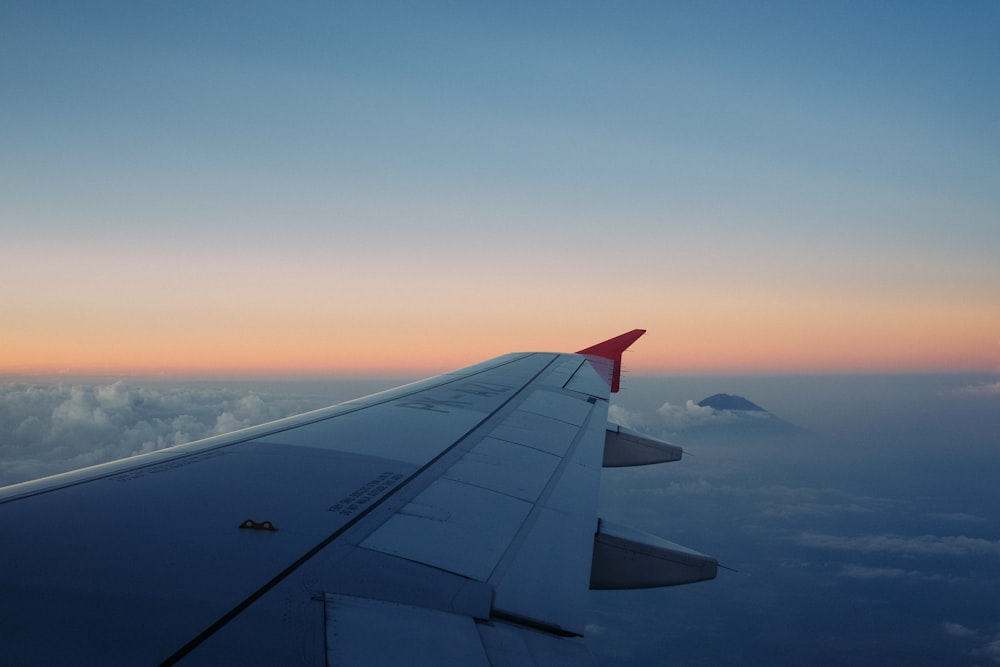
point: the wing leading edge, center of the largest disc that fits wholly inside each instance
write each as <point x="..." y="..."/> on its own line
<point x="452" y="520"/>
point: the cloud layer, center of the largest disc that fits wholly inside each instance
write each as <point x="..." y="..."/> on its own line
<point x="674" y="418"/>
<point x="47" y="429"/>
<point x="924" y="545"/>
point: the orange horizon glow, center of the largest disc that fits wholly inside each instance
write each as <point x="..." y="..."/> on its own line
<point x="754" y="349"/>
<point x="140" y="315"/>
<point x="697" y="331"/>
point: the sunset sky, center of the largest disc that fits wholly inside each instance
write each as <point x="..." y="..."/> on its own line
<point x="252" y="187"/>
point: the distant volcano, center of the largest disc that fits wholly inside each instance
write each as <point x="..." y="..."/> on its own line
<point x="729" y="402"/>
<point x="732" y="415"/>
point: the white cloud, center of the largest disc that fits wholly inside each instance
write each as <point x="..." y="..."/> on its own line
<point x="992" y="650"/>
<point x="625" y="417"/>
<point x="689" y="415"/>
<point x="787" y="502"/>
<point x="864" y="572"/>
<point x="691" y="487"/>
<point x="958" y="630"/>
<point x="924" y="545"/>
<point x="776" y="502"/>
<point x="962" y="517"/>
<point x="113" y="396"/>
<point x="982" y="389"/>
<point x="991" y="647"/>
<point x="783" y="510"/>
<point x="46" y="429"/>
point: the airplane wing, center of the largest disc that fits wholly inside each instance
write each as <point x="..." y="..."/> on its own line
<point x="449" y="521"/>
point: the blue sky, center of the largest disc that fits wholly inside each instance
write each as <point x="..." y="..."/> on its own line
<point x="779" y="170"/>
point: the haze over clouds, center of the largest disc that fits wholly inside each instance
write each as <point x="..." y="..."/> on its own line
<point x="869" y="545"/>
<point x="871" y="538"/>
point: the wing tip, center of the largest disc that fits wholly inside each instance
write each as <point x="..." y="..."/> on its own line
<point x="612" y="349"/>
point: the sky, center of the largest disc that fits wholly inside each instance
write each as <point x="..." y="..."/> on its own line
<point x="251" y="188"/>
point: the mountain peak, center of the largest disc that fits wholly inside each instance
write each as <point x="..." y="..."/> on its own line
<point x="730" y="402"/>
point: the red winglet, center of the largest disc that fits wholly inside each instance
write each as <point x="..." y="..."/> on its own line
<point x="611" y="350"/>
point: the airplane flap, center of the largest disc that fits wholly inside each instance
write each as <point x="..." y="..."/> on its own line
<point x="624" y="447"/>
<point x="628" y="558"/>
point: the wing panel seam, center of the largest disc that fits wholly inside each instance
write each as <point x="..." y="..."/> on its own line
<point x="281" y="576"/>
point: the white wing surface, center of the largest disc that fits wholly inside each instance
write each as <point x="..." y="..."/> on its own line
<point x="451" y="521"/>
